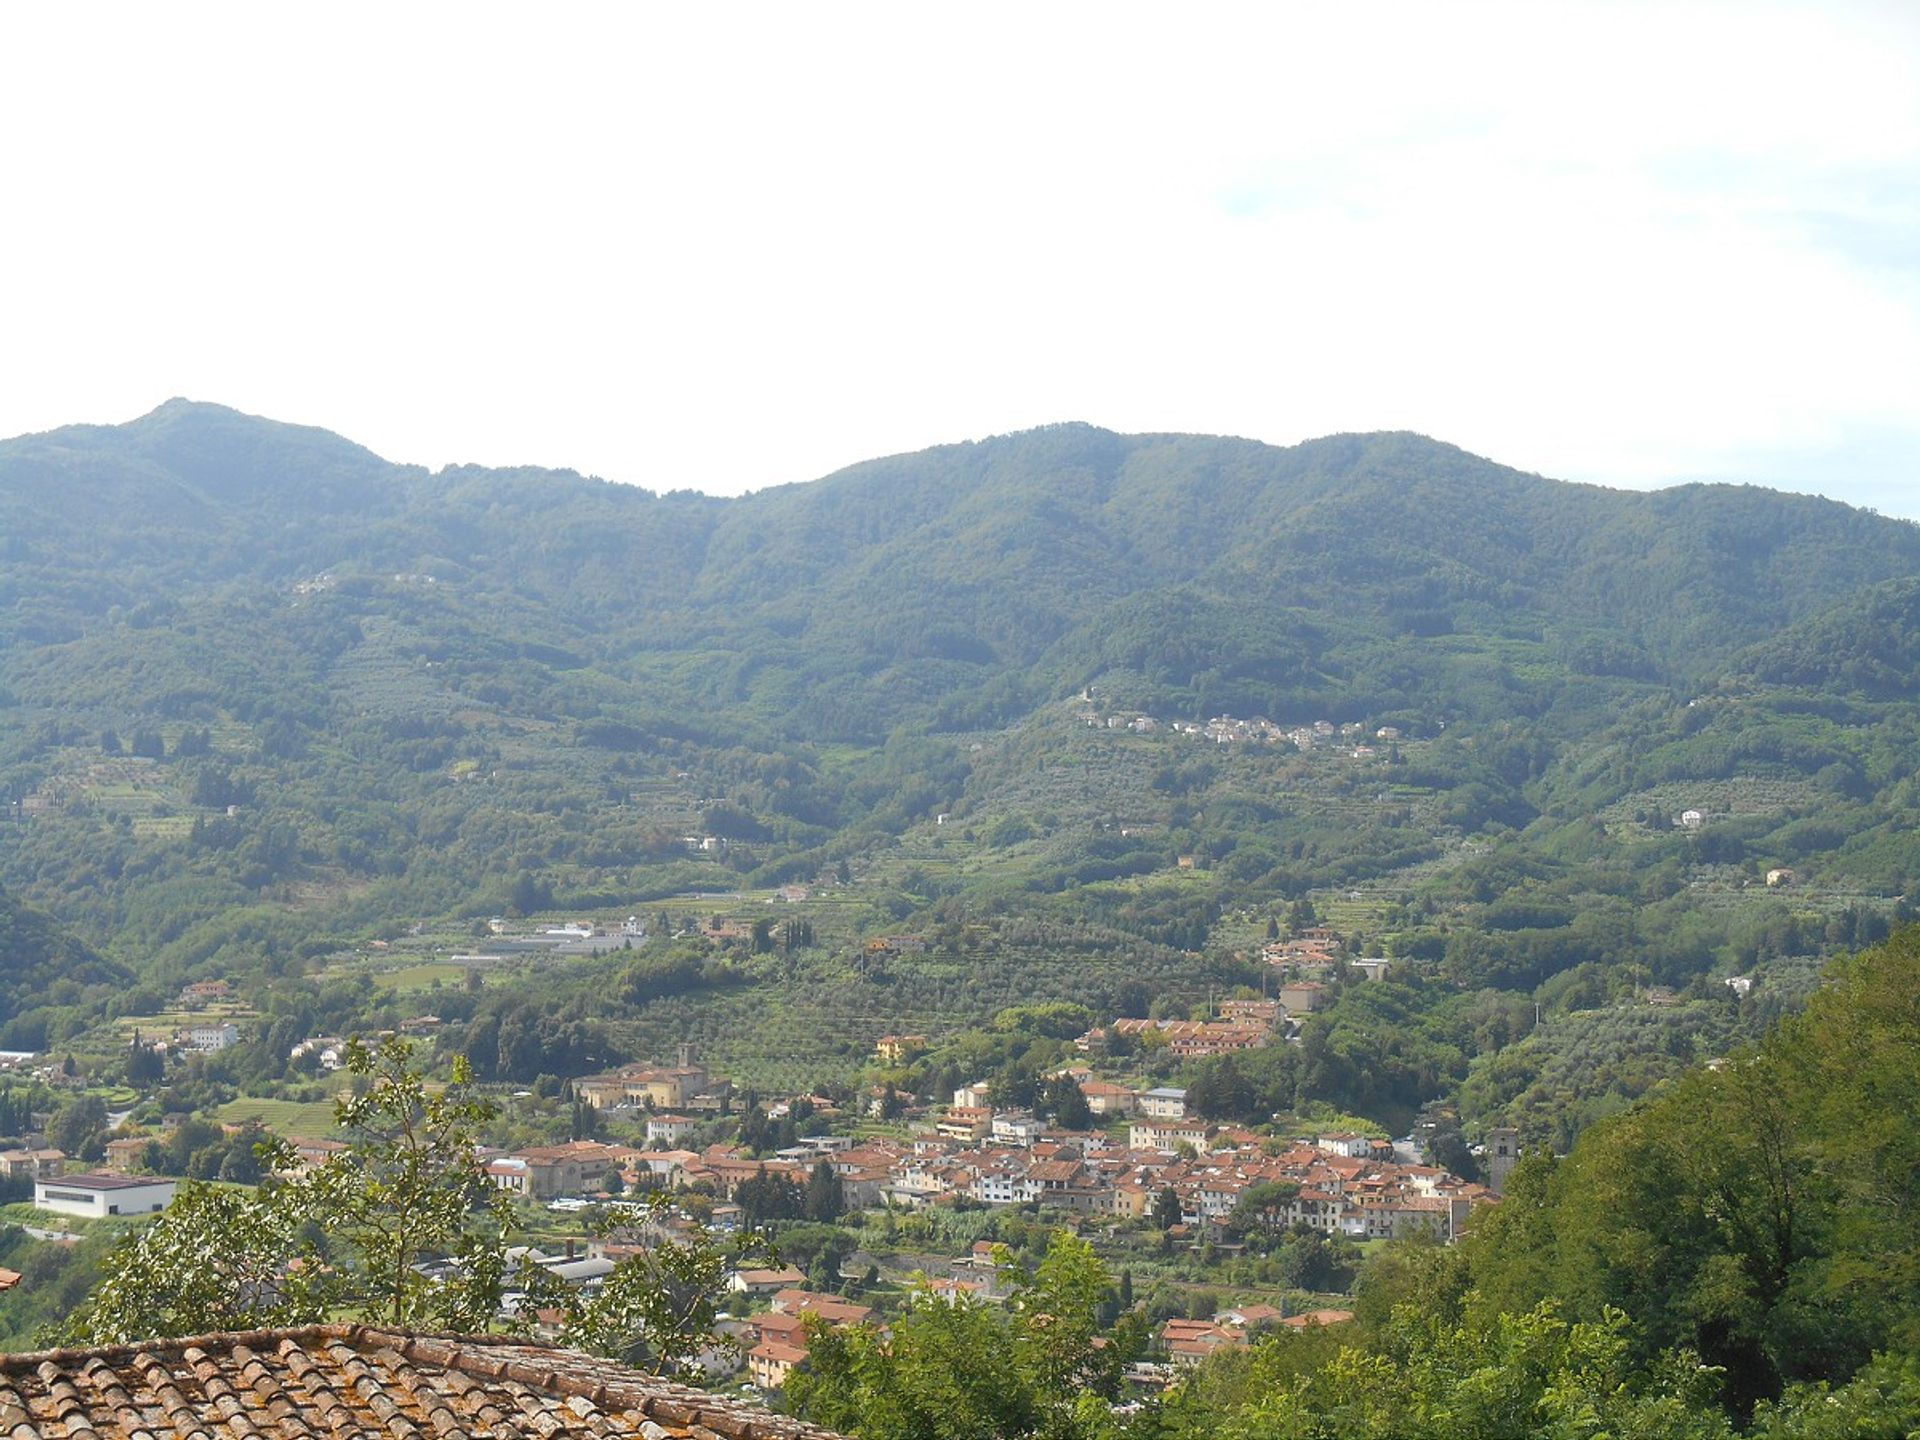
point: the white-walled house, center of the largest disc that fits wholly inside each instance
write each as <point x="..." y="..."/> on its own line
<point x="103" y="1193"/>
<point x="208" y="1038"/>
<point x="1165" y="1103"/>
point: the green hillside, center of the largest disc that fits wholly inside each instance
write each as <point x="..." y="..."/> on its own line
<point x="268" y="698"/>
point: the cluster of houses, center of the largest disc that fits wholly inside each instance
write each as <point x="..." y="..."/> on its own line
<point x="1229" y="730"/>
<point x="778" y="1335"/>
<point x="1313" y="956"/>
<point x="330" y="1051"/>
<point x="1346" y="1184"/>
<point x="1341" y="1184"/>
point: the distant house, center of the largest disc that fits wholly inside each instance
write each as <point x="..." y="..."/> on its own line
<point x="1690" y="819"/>
<point x="331" y="1050"/>
<point x="671" y="1129"/>
<point x="542" y="1173"/>
<point x="772" y="1361"/>
<point x="209" y="1038"/>
<point x="1781" y="877"/>
<point x="1105" y="1098"/>
<point x="125" y="1153"/>
<point x="33" y="1164"/>
<point x="102" y="1193"/>
<point x="1189" y="1342"/>
<point x="1344" y="1142"/>
<point x="1167" y="1102"/>
<point x="971" y="1097"/>
<point x="1302" y="996"/>
<point x="1166" y="1134"/>
<point x="670" y="1087"/>
<point x="1016" y="1127"/>
<point x="966" y="1123"/>
<point x="766" y="1281"/>
<point x="202" y="993"/>
<point x="898" y="1049"/>
<point x="1250" y="1317"/>
<point x="312" y="1154"/>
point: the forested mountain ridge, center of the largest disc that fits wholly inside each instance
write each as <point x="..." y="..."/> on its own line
<point x="978" y="555"/>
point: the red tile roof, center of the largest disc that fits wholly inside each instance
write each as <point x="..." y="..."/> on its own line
<point x="355" y="1380"/>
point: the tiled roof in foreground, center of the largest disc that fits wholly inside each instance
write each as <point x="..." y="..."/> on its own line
<point x="332" y="1382"/>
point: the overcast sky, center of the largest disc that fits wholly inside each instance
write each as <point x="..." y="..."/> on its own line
<point x="725" y="246"/>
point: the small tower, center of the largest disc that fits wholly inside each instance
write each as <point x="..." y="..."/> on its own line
<point x="1503" y="1153"/>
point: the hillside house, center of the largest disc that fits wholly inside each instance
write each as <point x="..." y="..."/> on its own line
<point x="210" y="1038"/>
<point x="1105" y="1098"/>
<point x="125" y="1154"/>
<point x="1166" y="1134"/>
<point x="966" y="1123"/>
<point x="665" y="1087"/>
<point x="898" y="1049"/>
<point x="1016" y="1127"/>
<point x="202" y="993"/>
<point x="772" y="1361"/>
<point x="1165" y="1102"/>
<point x="1303" y="997"/>
<point x="766" y="1281"/>
<point x="1188" y="1342"/>
<point x="669" y="1129"/>
<point x="32" y="1164"/>
<point x="1344" y="1142"/>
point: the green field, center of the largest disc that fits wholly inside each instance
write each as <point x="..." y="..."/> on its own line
<point x="283" y="1117"/>
<point x="420" y="977"/>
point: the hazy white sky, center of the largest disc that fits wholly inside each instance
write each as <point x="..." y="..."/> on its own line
<point x="725" y="246"/>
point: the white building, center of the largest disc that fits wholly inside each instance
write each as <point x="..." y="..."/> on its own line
<point x="212" y="1037"/>
<point x="1344" y="1142"/>
<point x="101" y="1193"/>
<point x="1016" y="1127"/>
<point x="671" y="1129"/>
<point x="1165" y="1103"/>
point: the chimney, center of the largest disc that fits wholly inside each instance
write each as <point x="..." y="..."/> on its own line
<point x="569" y="1249"/>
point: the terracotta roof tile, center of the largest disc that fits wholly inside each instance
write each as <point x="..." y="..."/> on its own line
<point x="346" y="1382"/>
